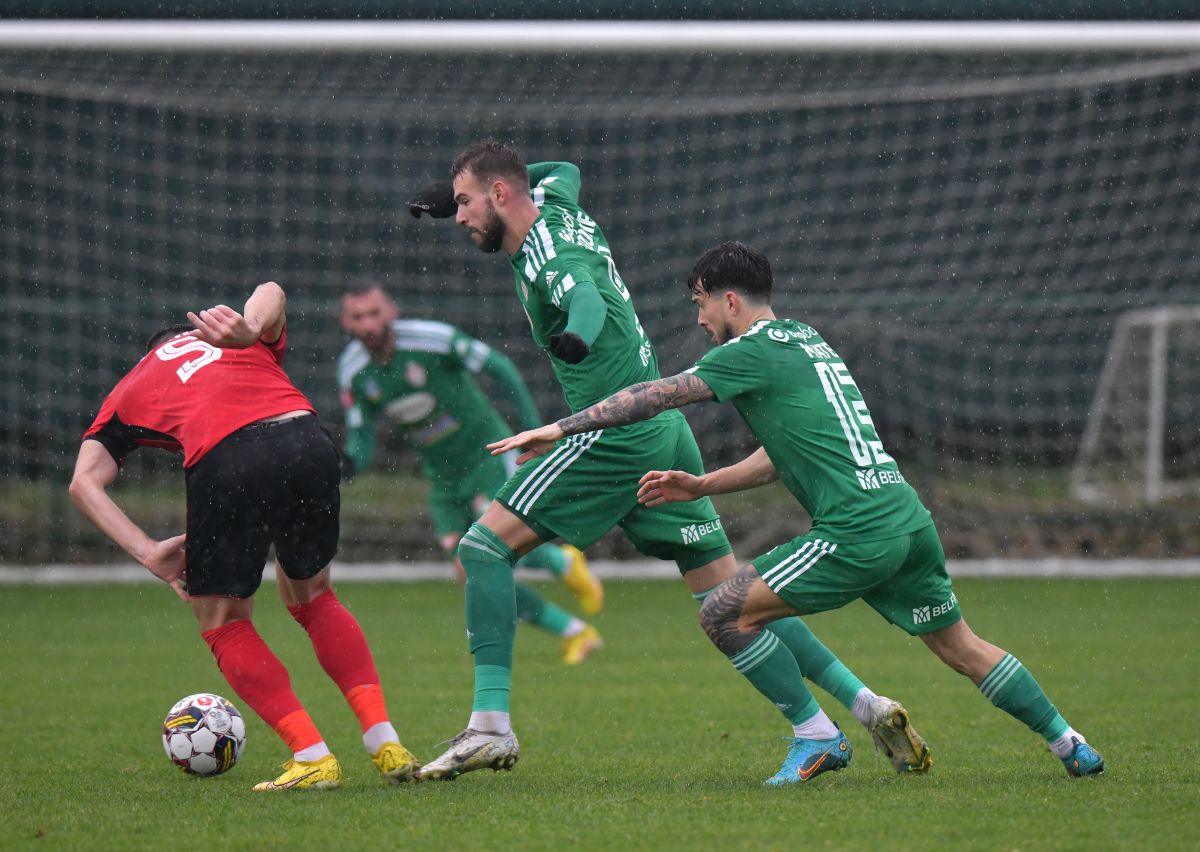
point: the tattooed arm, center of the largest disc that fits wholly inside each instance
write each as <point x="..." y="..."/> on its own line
<point x="634" y="403"/>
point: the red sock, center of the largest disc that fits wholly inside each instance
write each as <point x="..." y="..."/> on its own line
<point x="343" y="652"/>
<point x="262" y="682"/>
<point x="367" y="703"/>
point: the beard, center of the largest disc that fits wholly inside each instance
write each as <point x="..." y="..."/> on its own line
<point x="721" y="334"/>
<point x="491" y="235"/>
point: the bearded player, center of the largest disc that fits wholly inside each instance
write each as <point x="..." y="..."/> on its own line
<point x="581" y="313"/>
<point x="420" y="376"/>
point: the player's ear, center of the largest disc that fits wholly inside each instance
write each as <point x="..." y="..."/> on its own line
<point x="501" y="192"/>
<point x="733" y="302"/>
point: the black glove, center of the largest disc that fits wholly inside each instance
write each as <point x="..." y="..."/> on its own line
<point x="348" y="470"/>
<point x="437" y="200"/>
<point x="570" y="347"/>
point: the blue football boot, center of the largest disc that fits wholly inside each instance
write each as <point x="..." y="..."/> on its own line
<point x="806" y="759"/>
<point x="1083" y="760"/>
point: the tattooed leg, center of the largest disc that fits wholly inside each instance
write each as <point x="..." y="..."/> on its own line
<point x="722" y="611"/>
<point x="733" y="616"/>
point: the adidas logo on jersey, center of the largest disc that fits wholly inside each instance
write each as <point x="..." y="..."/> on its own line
<point x="550" y="276"/>
<point x="694" y="532"/>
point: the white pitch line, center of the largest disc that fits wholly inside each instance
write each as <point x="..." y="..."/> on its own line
<point x="405" y="572"/>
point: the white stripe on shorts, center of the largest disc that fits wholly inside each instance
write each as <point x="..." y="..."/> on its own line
<point x="548" y="471"/>
<point x="796" y="564"/>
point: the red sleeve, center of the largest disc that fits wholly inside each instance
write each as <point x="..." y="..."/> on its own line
<point x="120" y="438"/>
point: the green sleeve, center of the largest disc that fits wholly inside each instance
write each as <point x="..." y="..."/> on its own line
<point x="554" y="181"/>
<point x="506" y="374"/>
<point x="586" y="311"/>
<point x="732" y="369"/>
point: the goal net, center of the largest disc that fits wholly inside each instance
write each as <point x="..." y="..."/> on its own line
<point x="965" y="227"/>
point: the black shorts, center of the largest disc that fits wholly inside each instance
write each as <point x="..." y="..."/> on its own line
<point x="267" y="483"/>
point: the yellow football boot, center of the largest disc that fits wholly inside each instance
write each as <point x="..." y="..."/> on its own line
<point x="577" y="648"/>
<point x="323" y="774"/>
<point x="582" y="583"/>
<point x="396" y="763"/>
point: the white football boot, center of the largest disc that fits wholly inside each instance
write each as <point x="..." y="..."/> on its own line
<point x="895" y="737"/>
<point x="473" y="750"/>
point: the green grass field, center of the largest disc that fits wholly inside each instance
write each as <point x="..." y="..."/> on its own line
<point x="653" y="743"/>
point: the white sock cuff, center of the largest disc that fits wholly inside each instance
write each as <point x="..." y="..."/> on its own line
<point x="378" y="735"/>
<point x="490" y="722"/>
<point x="862" y="706"/>
<point x="313" y="752"/>
<point x="816" y="727"/>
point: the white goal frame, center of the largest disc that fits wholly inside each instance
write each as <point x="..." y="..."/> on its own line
<point x="602" y="36"/>
<point x="1157" y="321"/>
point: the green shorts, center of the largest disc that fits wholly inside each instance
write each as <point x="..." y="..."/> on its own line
<point x="588" y="484"/>
<point x="456" y="501"/>
<point x="904" y="579"/>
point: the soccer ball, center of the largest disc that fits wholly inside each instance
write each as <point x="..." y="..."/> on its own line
<point x="204" y="734"/>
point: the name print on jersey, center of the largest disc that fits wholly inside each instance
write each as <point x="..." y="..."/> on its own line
<point x="580" y="230"/>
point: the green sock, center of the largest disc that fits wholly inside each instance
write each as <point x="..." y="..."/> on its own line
<point x="1012" y="688"/>
<point x="769" y="665"/>
<point x="492" y="685"/>
<point x="536" y="610"/>
<point x="491" y="614"/>
<point x="548" y="557"/>
<point x="817" y="663"/>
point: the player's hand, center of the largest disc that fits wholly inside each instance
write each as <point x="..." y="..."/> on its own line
<point x="535" y="442"/>
<point x="437" y="200"/>
<point x="222" y="326"/>
<point x="668" y="486"/>
<point x="569" y="347"/>
<point x="168" y="562"/>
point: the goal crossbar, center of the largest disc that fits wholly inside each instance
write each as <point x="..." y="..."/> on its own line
<point x="600" y="36"/>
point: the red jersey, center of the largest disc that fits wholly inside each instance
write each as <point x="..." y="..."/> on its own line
<point x="187" y="395"/>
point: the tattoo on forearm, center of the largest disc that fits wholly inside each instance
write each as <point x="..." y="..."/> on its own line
<point x="721" y="610"/>
<point x="638" y="402"/>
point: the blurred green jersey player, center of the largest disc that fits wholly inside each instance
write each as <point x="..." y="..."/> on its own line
<point x="420" y="376"/>
<point x="581" y="313"/>
<point x="871" y="538"/>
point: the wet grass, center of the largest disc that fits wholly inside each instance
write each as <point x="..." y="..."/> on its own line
<point x="653" y="743"/>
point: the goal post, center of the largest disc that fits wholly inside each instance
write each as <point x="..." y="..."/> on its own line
<point x="1141" y="416"/>
<point x="964" y="211"/>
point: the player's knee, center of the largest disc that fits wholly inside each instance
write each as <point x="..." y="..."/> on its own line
<point x="719" y="618"/>
<point x="479" y="542"/>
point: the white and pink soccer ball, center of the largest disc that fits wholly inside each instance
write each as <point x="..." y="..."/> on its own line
<point x="204" y="734"/>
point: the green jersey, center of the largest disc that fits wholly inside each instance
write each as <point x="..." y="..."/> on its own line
<point x="565" y="252"/>
<point x="428" y="390"/>
<point x="800" y="401"/>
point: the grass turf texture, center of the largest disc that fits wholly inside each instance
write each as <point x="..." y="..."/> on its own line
<point x="654" y="742"/>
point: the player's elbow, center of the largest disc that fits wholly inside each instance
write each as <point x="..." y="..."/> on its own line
<point x="275" y="290"/>
<point x="81" y="489"/>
